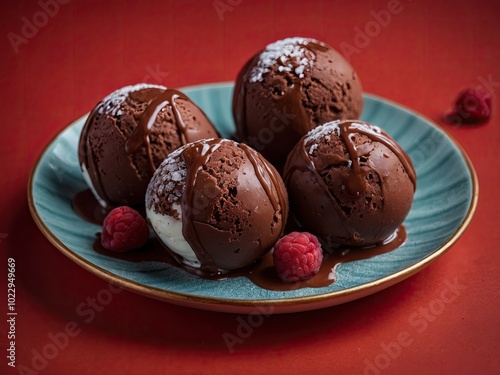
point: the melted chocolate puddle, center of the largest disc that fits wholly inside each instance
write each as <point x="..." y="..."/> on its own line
<point x="152" y="251"/>
<point x="86" y="206"/>
<point x="261" y="273"/>
<point x="264" y="274"/>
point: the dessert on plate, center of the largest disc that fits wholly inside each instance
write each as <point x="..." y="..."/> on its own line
<point x="220" y="205"/>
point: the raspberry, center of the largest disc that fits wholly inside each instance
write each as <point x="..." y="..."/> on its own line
<point x="124" y="229"/>
<point x="472" y="106"/>
<point x="297" y="256"/>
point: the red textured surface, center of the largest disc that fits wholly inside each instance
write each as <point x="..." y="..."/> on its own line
<point x="444" y="320"/>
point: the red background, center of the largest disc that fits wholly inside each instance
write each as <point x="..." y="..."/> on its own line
<point x="421" y="58"/>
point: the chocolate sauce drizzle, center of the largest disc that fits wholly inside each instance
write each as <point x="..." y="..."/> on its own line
<point x="195" y="157"/>
<point x="377" y="135"/>
<point x="292" y="99"/>
<point x="140" y="135"/>
<point x="158" y="99"/>
<point x="355" y="182"/>
<point x="106" y="108"/>
<point x="290" y="102"/>
<point x="263" y="169"/>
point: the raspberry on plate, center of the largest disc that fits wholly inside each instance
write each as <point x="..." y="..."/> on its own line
<point x="124" y="229"/>
<point x="297" y="256"/>
<point x="472" y="106"/>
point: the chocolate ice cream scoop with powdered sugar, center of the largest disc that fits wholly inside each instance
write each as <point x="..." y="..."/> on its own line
<point x="217" y="205"/>
<point x="350" y="183"/>
<point x="129" y="133"/>
<point x="287" y="89"/>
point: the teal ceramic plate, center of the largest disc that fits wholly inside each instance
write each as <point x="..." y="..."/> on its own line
<point x="444" y="203"/>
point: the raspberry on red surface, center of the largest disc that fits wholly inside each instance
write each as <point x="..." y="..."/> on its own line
<point x="472" y="106"/>
<point x="297" y="256"/>
<point x="124" y="229"/>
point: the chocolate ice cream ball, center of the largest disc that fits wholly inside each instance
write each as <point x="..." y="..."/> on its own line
<point x="217" y="205"/>
<point x="289" y="88"/>
<point x="350" y="183"/>
<point x="129" y="133"/>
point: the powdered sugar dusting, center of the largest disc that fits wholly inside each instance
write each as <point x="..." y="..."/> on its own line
<point x="168" y="181"/>
<point x="313" y="148"/>
<point x="366" y="128"/>
<point x="333" y="127"/>
<point x="322" y="131"/>
<point x="289" y="53"/>
<point x="111" y="103"/>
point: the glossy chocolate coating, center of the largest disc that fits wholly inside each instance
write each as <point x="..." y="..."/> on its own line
<point x="234" y="203"/>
